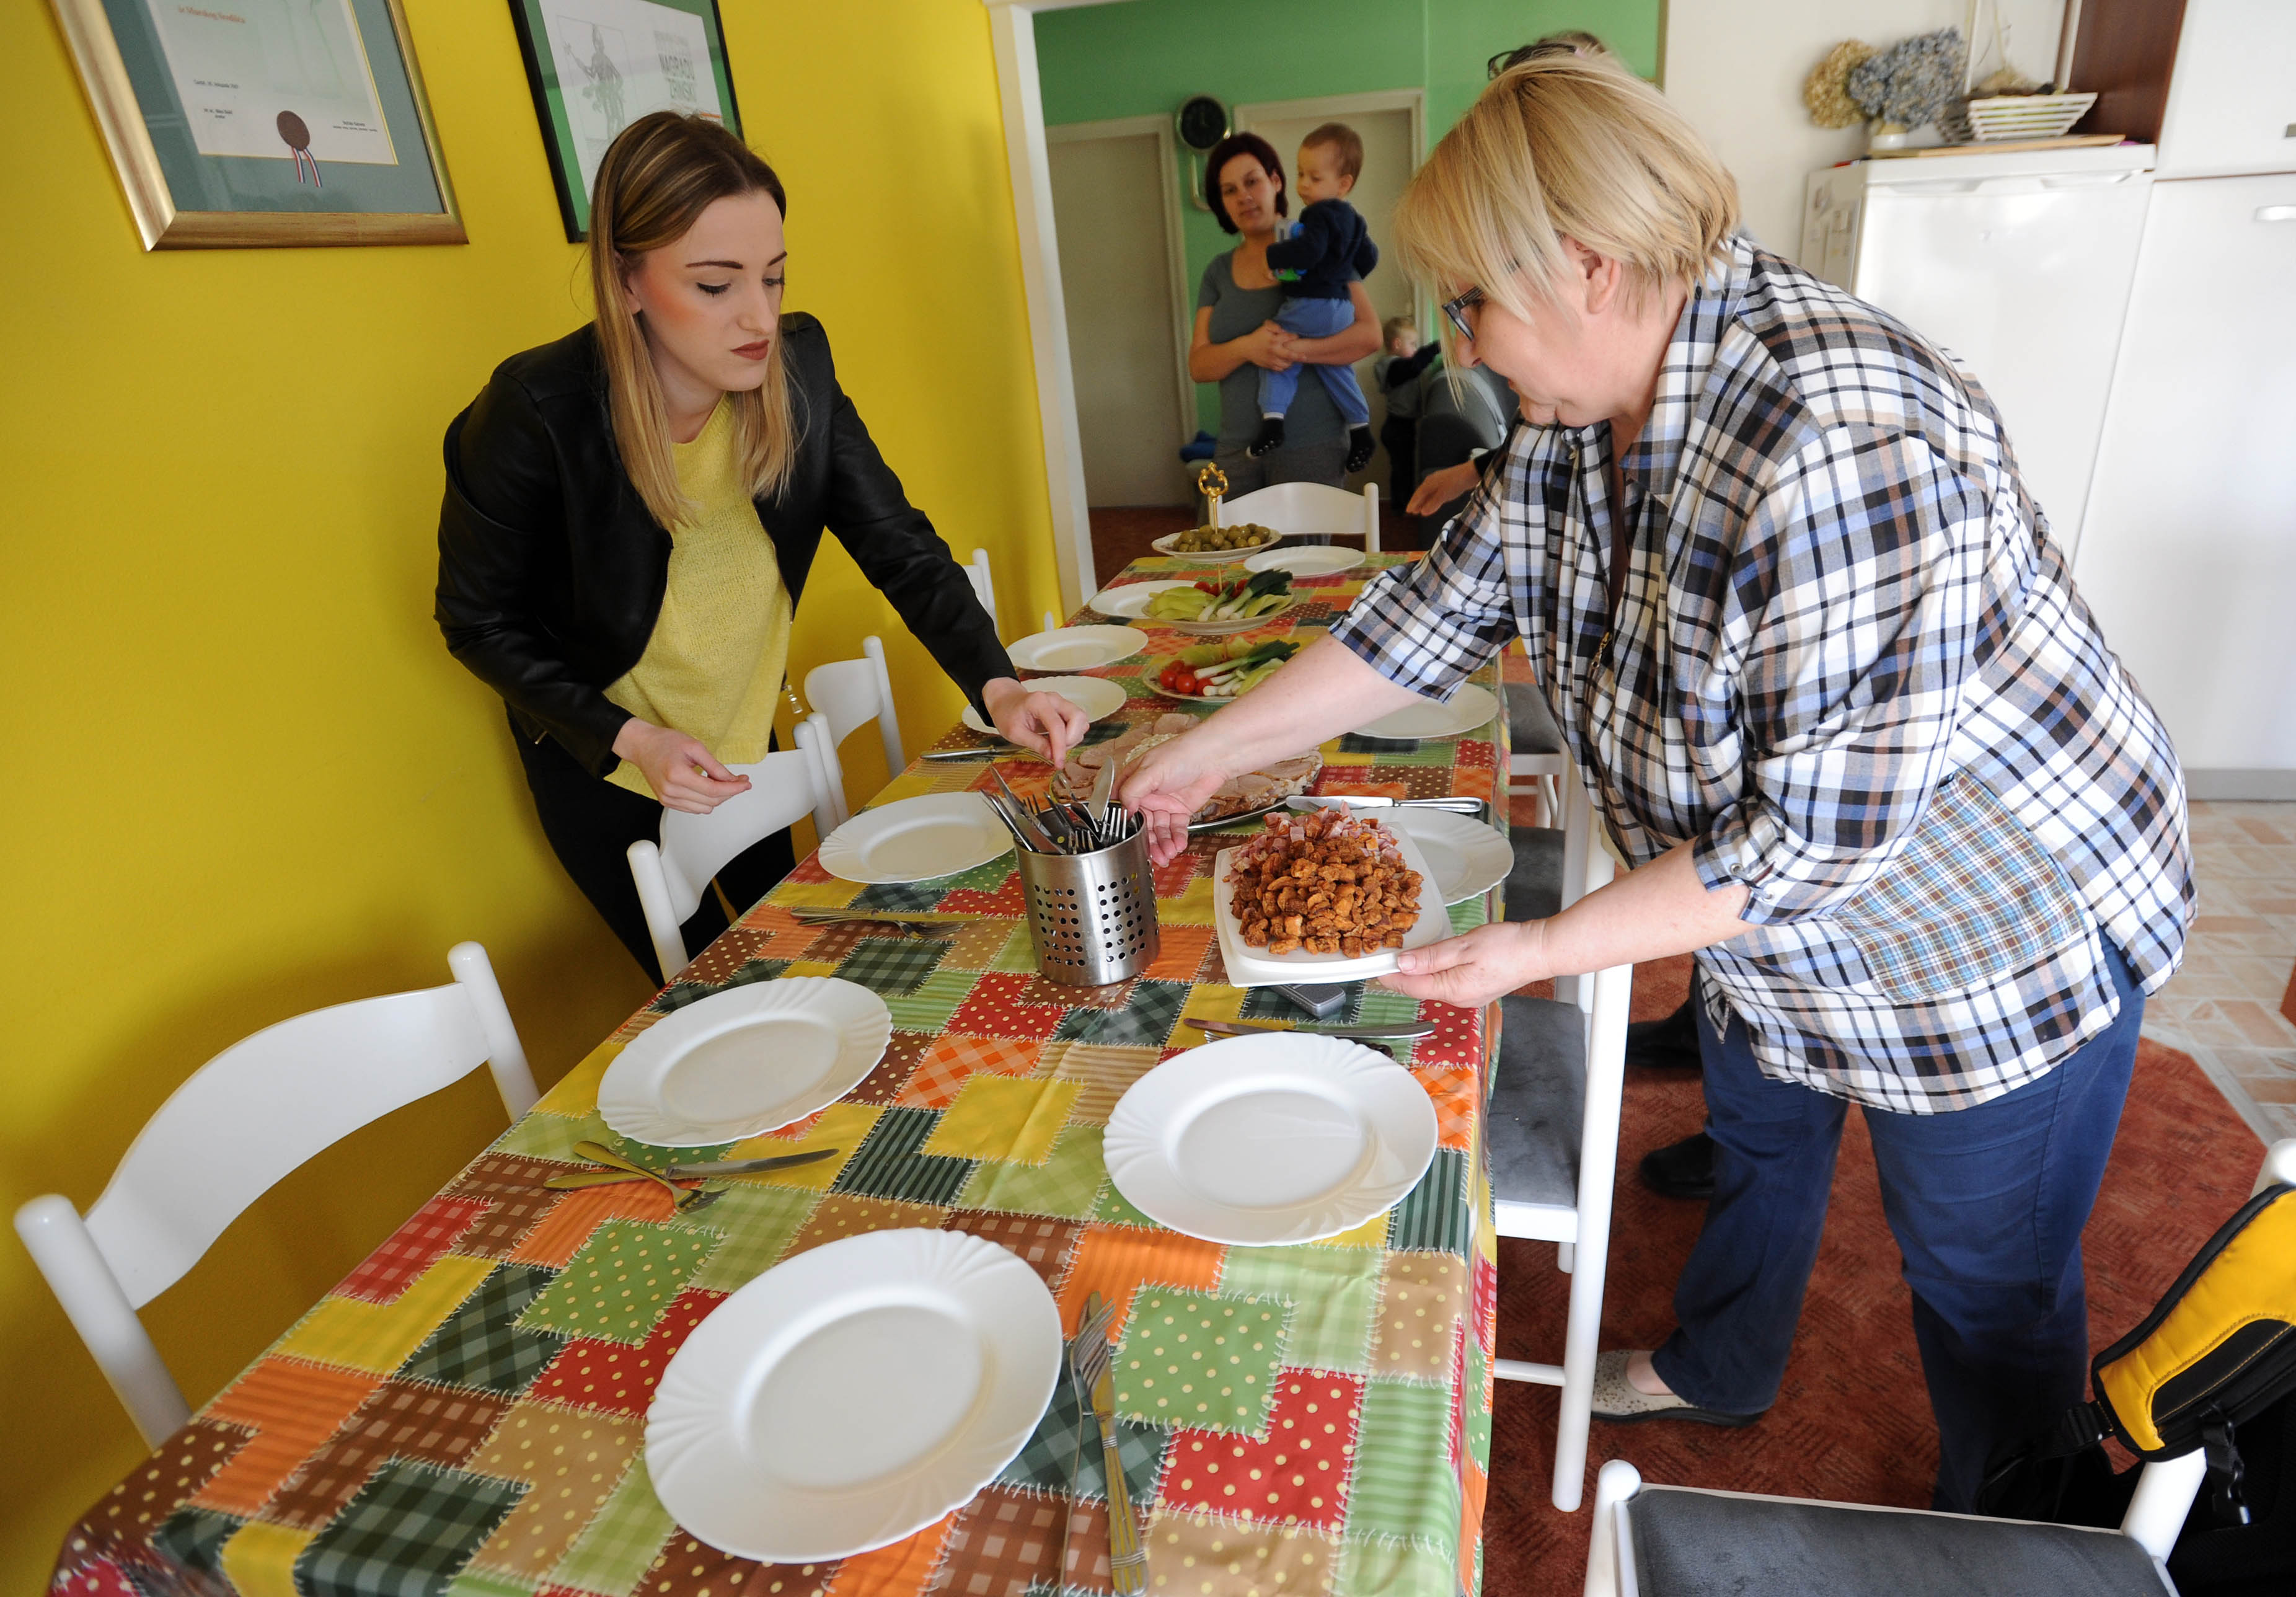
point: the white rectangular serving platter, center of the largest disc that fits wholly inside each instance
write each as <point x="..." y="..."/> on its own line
<point x="1258" y="968"/>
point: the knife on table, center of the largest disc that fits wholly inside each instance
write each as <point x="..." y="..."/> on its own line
<point x="1402" y="1030"/>
<point x="1127" y="1561"/>
<point x="574" y="1180"/>
<point x="840" y="917"/>
<point x="1460" y="806"/>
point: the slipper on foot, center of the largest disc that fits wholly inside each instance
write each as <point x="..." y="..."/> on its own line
<point x="1622" y="1403"/>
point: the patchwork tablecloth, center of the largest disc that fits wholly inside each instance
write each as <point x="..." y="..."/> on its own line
<point x="464" y="1413"/>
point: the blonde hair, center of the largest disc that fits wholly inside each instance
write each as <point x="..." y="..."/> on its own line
<point x="1565" y="145"/>
<point x="658" y="175"/>
<point x="1395" y="327"/>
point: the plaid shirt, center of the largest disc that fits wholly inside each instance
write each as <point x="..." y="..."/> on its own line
<point x="1851" y="667"/>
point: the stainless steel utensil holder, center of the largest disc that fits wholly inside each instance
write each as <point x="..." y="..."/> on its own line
<point x="1091" y="916"/>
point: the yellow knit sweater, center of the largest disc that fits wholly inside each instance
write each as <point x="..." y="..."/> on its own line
<point x="712" y="667"/>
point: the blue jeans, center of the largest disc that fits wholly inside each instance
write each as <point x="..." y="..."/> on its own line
<point x="1315" y="319"/>
<point x="1987" y="1205"/>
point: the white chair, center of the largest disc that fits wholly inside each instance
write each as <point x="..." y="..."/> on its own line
<point x="1534" y="750"/>
<point x="1302" y="510"/>
<point x="847" y="695"/>
<point x="1661" y="1541"/>
<point x="984" y="586"/>
<point x="672" y="876"/>
<point x="1551" y="1128"/>
<point x="244" y="1120"/>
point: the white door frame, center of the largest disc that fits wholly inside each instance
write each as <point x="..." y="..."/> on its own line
<point x="1176" y="265"/>
<point x="1012" y="30"/>
<point x="1334" y="108"/>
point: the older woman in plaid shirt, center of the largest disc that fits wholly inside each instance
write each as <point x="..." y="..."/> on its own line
<point x="1842" y="713"/>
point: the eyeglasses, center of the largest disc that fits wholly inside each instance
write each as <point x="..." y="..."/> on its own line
<point x="1454" y="311"/>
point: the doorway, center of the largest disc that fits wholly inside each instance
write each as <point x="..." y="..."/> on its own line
<point x="1114" y="211"/>
<point x="1390" y="124"/>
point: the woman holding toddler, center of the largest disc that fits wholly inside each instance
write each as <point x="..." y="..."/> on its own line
<point x="1237" y="338"/>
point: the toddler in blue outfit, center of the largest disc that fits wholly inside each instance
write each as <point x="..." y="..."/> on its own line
<point x="1329" y="249"/>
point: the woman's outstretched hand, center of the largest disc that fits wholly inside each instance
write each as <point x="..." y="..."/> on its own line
<point x="1439" y="488"/>
<point x="1167" y="785"/>
<point x="682" y="771"/>
<point x="1044" y="723"/>
<point x="1476" y="967"/>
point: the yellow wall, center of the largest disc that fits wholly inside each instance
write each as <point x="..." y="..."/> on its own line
<point x="246" y="780"/>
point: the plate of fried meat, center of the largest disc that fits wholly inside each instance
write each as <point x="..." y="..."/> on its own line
<point x="1326" y="895"/>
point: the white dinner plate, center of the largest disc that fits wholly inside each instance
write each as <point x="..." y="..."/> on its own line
<point x="1075" y="648"/>
<point x="1097" y="696"/>
<point x="744" y="1060"/>
<point x="916" y="839"/>
<point x="1266" y="1140"/>
<point x="1204" y="557"/>
<point x="1130" y="602"/>
<point x="1258" y="968"/>
<point x="1234" y="625"/>
<point x="1470" y="707"/>
<point x="853" y="1395"/>
<point x="1307" y="560"/>
<point x="1467" y="857"/>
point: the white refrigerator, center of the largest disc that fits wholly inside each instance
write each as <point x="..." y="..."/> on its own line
<point x="2188" y="554"/>
<point x="2016" y="263"/>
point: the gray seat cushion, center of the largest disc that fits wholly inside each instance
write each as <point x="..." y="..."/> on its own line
<point x="1538" y="1097"/>
<point x="1534" y="888"/>
<point x="1690" y="1544"/>
<point x="1530" y="724"/>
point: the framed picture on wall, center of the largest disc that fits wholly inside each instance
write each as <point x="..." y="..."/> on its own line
<point x="264" y="122"/>
<point x="596" y="66"/>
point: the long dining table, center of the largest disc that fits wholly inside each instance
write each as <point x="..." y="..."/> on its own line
<point x="464" y="1413"/>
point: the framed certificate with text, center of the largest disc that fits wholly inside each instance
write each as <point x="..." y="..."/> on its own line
<point x="596" y="66"/>
<point x="239" y="124"/>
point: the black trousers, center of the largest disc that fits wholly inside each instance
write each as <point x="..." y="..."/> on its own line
<point x="591" y="825"/>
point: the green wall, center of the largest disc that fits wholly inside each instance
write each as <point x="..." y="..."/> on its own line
<point x="1145" y="57"/>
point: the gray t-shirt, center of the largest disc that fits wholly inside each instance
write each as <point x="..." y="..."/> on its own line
<point x="1313" y="418"/>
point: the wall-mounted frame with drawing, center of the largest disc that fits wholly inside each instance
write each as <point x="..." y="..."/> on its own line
<point x="264" y="122"/>
<point x="596" y="66"/>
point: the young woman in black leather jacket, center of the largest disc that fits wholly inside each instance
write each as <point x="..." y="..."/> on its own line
<point x="587" y="573"/>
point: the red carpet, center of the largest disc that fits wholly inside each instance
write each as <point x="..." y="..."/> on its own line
<point x="1852" y="1423"/>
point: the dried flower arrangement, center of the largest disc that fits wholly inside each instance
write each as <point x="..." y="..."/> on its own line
<point x="1913" y="81"/>
<point x="1825" y="92"/>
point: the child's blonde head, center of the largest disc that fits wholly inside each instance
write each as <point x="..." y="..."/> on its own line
<point x="1344" y="143"/>
<point x="1399" y="330"/>
<point x="1330" y="160"/>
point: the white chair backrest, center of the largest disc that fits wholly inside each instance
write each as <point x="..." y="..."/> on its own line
<point x="672" y="877"/>
<point x="984" y="585"/>
<point x="846" y="694"/>
<point x="782" y="788"/>
<point x="263" y="1105"/>
<point x="1309" y="510"/>
<point x="240" y="1122"/>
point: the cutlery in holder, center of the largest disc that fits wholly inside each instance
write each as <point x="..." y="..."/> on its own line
<point x="1092" y="916"/>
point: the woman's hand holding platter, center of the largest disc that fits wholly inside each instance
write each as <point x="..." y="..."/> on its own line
<point x="1476" y="967"/>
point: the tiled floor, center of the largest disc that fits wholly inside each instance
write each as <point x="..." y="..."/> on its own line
<point x="2223" y="1007"/>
